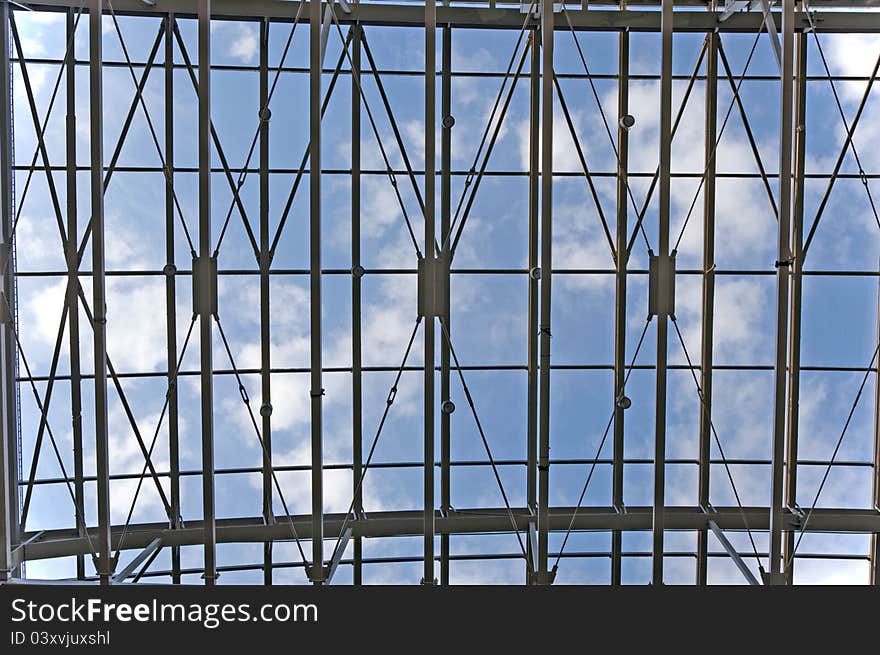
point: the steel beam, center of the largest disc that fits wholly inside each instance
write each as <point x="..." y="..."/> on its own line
<point x="429" y="289"/>
<point x="317" y="391"/>
<point x="171" y="298"/>
<point x="205" y="321"/>
<point x="543" y="575"/>
<point x="620" y="299"/>
<point x="783" y="268"/>
<point x="833" y="20"/>
<point x="357" y="414"/>
<point x="447" y="122"/>
<point x="139" y="559"/>
<point x="707" y="327"/>
<point x="96" y="102"/>
<point x="797" y="263"/>
<point x="662" y="318"/>
<point x="337" y="556"/>
<point x="72" y="284"/>
<point x="265" y="296"/>
<point x="66" y="542"/>
<point x="874" y="552"/>
<point x="534" y="282"/>
<point x="9" y="443"/>
<point x="734" y="555"/>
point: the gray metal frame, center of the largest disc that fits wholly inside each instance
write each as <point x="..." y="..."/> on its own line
<point x="539" y="521"/>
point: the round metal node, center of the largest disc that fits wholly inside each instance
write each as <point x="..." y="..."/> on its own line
<point x="624" y="402"/>
<point x="447" y="407"/>
<point x="170" y="269"/>
<point x="358" y="271"/>
<point x="265" y="114"/>
<point x="627" y="121"/>
<point x="535" y="273"/>
<point x="448" y="121"/>
<point x="266" y="410"/>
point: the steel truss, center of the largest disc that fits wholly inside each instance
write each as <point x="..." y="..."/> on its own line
<point x="536" y="524"/>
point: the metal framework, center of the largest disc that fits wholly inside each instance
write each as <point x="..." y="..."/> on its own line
<point x="130" y="551"/>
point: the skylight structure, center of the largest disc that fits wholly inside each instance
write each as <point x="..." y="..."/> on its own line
<point x="440" y="293"/>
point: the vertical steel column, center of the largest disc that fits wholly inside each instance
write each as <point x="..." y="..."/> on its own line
<point x="317" y="390"/>
<point x="8" y="418"/>
<point x="445" y="205"/>
<point x="171" y="296"/>
<point x="875" y="486"/>
<point x="72" y="289"/>
<point x="534" y="282"/>
<point x="96" y="115"/>
<point x="783" y="264"/>
<point x="708" y="313"/>
<point x="662" y="317"/>
<point x="205" y="326"/>
<point x="430" y="221"/>
<point x="543" y="576"/>
<point x="797" y="244"/>
<point x="620" y="298"/>
<point x="357" y="414"/>
<point x="265" y="295"/>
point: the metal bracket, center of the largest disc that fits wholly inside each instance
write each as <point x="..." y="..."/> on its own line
<point x="773" y="579"/>
<point x="525" y="5"/>
<point x="98" y="561"/>
<point x="141" y="557"/>
<point x="204" y="287"/>
<point x="533" y="544"/>
<point x="733" y="6"/>
<point x="318" y="572"/>
<point x="734" y="555"/>
<point x="661" y="286"/>
<point x="546" y="578"/>
<point x="325" y="30"/>
<point x="433" y="286"/>
<point x="5" y="257"/>
<point x="337" y="554"/>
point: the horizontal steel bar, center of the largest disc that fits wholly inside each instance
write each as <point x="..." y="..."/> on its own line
<point x="190" y="170"/>
<point x="470" y="557"/>
<point x="60" y="543"/>
<point x="460" y="271"/>
<point x="464" y="557"/>
<point x="498" y="17"/>
<point x="461" y="464"/>
<point x="486" y="367"/>
<point x="404" y="72"/>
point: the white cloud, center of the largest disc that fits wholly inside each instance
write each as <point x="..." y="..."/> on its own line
<point x="238" y="40"/>
<point x="245" y="42"/>
<point x="126" y="457"/>
<point x="852" y="55"/>
<point x="739" y="331"/>
<point x="565" y="157"/>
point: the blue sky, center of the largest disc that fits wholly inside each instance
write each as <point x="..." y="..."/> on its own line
<point x="489" y="311"/>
